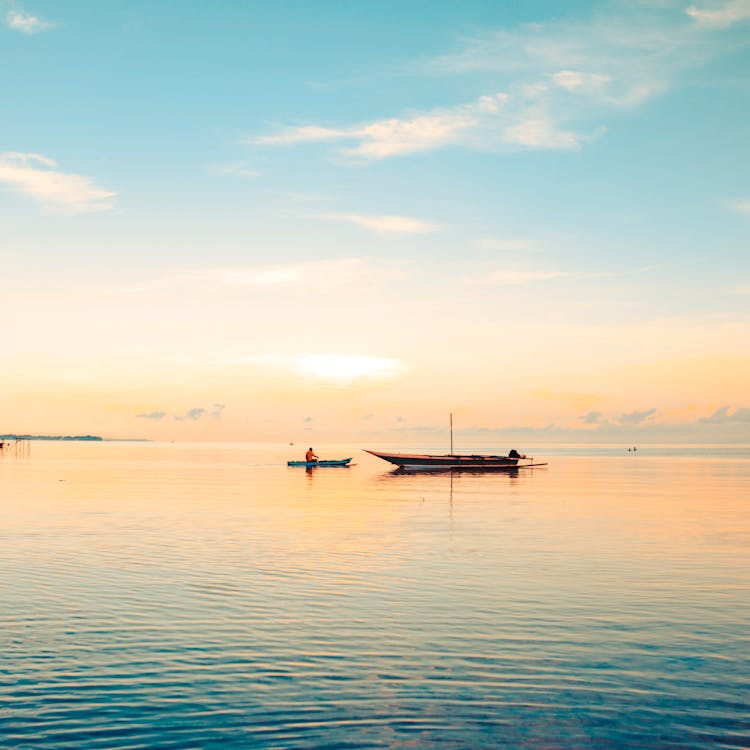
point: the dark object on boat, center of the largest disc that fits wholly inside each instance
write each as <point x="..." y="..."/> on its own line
<point x="324" y="462"/>
<point x="450" y="461"/>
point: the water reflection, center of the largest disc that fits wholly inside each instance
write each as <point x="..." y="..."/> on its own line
<point x="209" y="597"/>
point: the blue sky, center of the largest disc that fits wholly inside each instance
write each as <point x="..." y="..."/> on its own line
<point x="404" y="187"/>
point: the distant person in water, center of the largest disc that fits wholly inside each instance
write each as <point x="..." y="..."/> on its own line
<point x="310" y="455"/>
<point x="515" y="454"/>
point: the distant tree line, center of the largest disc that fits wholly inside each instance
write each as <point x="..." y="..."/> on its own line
<point x="50" y="437"/>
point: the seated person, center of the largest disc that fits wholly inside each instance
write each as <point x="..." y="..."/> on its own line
<point x="515" y="454"/>
<point x="310" y="455"/>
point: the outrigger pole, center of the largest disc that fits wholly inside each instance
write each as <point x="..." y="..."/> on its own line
<point x="451" y="433"/>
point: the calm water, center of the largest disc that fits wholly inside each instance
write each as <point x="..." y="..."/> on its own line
<point x="198" y="596"/>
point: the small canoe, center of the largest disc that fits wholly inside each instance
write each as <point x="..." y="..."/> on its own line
<point x="324" y="462"/>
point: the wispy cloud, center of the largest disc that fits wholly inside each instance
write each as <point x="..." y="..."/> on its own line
<point x="496" y="120"/>
<point x="728" y="14"/>
<point x="38" y="177"/>
<point x="509" y="245"/>
<point x="152" y="415"/>
<point x="518" y="276"/>
<point x="237" y="169"/>
<point x="556" y="83"/>
<point x="386" y="224"/>
<point x="323" y="276"/>
<point x="25" y="22"/>
<point x="319" y="276"/>
<point x="742" y="207"/>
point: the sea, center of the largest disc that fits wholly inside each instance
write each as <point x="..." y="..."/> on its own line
<point x="184" y="595"/>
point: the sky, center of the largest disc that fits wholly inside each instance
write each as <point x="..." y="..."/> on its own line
<point x="345" y="220"/>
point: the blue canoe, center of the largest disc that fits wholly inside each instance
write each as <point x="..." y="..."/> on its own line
<point x="324" y="462"/>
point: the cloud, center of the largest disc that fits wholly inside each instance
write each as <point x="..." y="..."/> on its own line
<point x="329" y="367"/>
<point x="741" y="289"/>
<point x="578" y="81"/>
<point x="194" y="414"/>
<point x="518" y="277"/>
<point x="732" y="12"/>
<point x="742" y="207"/>
<point x="386" y="224"/>
<point x="238" y="169"/>
<point x="152" y="415"/>
<point x="506" y="245"/>
<point x="722" y="416"/>
<point x="552" y="85"/>
<point x="617" y="57"/>
<point x="323" y="276"/>
<point x="25" y="22"/>
<point x="302" y="134"/>
<point x="635" y="417"/>
<point x="494" y="120"/>
<point x="593" y="417"/>
<point x="218" y="410"/>
<point x="35" y="175"/>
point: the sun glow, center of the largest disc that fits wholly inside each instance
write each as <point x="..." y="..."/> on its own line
<point x="344" y="368"/>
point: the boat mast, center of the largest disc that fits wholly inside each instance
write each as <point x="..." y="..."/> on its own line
<point x="451" y="433"/>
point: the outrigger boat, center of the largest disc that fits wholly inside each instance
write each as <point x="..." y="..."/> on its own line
<point x="324" y="462"/>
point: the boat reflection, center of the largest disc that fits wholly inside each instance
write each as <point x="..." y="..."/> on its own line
<point x="511" y="471"/>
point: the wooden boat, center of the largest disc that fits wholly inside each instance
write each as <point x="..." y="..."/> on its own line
<point x="324" y="462"/>
<point x="455" y="461"/>
<point x="448" y="461"/>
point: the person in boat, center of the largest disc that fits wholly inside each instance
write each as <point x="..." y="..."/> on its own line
<point x="310" y="455"/>
<point x="513" y="453"/>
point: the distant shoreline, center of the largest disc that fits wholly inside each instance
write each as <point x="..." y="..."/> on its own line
<point x="51" y="437"/>
<point x="72" y="438"/>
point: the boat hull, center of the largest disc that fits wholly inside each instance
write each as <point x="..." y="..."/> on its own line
<point x="447" y="461"/>
<point x="311" y="464"/>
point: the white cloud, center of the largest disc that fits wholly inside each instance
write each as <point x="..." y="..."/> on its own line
<point x="576" y="80"/>
<point x="742" y="207"/>
<point x="35" y="175"/>
<point x="541" y="134"/>
<point x="339" y="369"/>
<point x="320" y="277"/>
<point x="382" y="138"/>
<point x="235" y="170"/>
<point x="515" y="278"/>
<point x="732" y="12"/>
<point x="555" y="82"/>
<point x="25" y="22"/>
<point x="518" y="276"/>
<point x="395" y="136"/>
<point x="506" y="245"/>
<point x="302" y="134"/>
<point x="491" y="121"/>
<point x="387" y="224"/>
